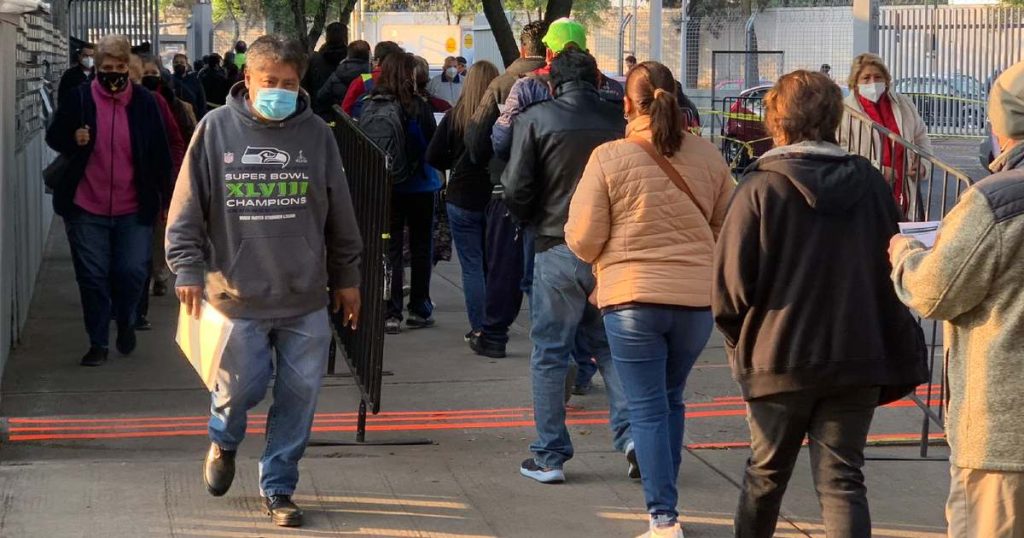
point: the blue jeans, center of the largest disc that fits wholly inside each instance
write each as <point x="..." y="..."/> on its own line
<point x="468" y="235"/>
<point x="654" y="349"/>
<point x="302" y="344"/>
<point x="561" y="285"/>
<point x="586" y="367"/>
<point x="111" y="256"/>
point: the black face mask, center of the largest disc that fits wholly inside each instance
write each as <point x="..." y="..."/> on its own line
<point x="151" y="82"/>
<point x="114" y="82"/>
<point x="180" y="70"/>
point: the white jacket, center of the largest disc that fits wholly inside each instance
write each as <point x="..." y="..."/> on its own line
<point x="449" y="90"/>
<point x="868" y="143"/>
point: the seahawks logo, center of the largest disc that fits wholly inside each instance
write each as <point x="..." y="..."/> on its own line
<point x="266" y="156"/>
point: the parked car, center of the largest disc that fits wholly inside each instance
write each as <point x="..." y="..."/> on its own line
<point x="953" y="102"/>
<point x="745" y="137"/>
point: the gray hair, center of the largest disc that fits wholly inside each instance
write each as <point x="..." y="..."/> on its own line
<point x="278" y="49"/>
<point x="115" y="46"/>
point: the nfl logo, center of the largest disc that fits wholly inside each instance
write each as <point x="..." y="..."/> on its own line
<point x="229" y="158"/>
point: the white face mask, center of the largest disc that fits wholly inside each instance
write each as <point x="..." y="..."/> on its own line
<point x="872" y="92"/>
<point x="451" y="72"/>
<point x="88" y="62"/>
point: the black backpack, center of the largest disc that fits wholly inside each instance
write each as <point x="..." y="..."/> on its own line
<point x="384" y="122"/>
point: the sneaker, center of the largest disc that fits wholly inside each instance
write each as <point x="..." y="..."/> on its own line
<point x="126" y="341"/>
<point x="143" y="324"/>
<point x="469" y="336"/>
<point x="392" y="326"/>
<point x="416" y="321"/>
<point x="530" y="469"/>
<point x="486" y="348"/>
<point x="95" y="356"/>
<point x="219" y="470"/>
<point x="633" y="471"/>
<point x="674" y="530"/>
<point x="159" y="288"/>
<point x="283" y="511"/>
<point x="582" y="390"/>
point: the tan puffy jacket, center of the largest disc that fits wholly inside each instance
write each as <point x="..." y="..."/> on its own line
<point x="648" y="241"/>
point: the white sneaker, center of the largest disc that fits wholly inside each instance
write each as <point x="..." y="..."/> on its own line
<point x="674" y="531"/>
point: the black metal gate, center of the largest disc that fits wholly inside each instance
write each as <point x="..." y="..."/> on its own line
<point x="138" y="20"/>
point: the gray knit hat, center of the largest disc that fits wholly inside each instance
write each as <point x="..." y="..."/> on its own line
<point x="1006" y="103"/>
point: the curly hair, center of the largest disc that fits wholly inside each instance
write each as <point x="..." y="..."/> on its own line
<point x="532" y="38"/>
<point x="803" y="106"/>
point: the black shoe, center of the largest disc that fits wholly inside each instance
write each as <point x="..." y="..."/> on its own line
<point x="219" y="471"/>
<point x="392" y="326"/>
<point x="143" y="324"/>
<point x="159" y="288"/>
<point x="95" y="357"/>
<point x="469" y="336"/>
<point x="126" y="340"/>
<point x="416" y="321"/>
<point x="486" y="348"/>
<point x="582" y="390"/>
<point x="283" y="511"/>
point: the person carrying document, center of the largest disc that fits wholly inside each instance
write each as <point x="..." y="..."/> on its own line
<point x="261" y="226"/>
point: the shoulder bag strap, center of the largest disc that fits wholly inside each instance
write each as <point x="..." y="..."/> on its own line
<point x="670" y="171"/>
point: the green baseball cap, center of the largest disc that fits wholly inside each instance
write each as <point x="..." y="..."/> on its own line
<point x="565" y="31"/>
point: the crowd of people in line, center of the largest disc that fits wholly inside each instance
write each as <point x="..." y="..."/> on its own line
<point x="597" y="202"/>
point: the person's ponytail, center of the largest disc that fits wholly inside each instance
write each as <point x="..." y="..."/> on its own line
<point x="666" y="122"/>
<point x="651" y="87"/>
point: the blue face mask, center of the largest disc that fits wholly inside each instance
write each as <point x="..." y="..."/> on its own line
<point x="275" y="104"/>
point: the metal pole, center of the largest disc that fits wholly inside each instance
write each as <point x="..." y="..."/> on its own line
<point x="684" y="20"/>
<point x="622" y="33"/>
<point x="656" y="30"/>
<point x="865" y="26"/>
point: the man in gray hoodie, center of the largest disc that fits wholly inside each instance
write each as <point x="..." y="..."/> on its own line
<point x="261" y="226"/>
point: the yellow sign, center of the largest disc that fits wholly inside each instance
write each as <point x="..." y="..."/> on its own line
<point x="467" y="41"/>
<point x="450" y="45"/>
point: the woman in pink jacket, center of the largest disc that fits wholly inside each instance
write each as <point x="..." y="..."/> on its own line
<point x="646" y="214"/>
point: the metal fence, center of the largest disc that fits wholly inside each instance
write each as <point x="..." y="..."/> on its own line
<point x="737" y="126"/>
<point x="927" y="189"/>
<point x="370" y="184"/>
<point x="138" y="20"/>
<point x="948" y="57"/>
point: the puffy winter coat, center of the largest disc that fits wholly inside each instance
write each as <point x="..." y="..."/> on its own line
<point x="648" y="241"/>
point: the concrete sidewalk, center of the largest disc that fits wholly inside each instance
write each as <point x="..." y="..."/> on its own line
<point x="117" y="451"/>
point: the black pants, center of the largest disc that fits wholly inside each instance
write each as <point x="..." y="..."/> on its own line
<point x="503" y="245"/>
<point x="417" y="211"/>
<point x="836" y="423"/>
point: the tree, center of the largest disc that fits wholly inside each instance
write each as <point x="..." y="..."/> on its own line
<point x="588" y="12"/>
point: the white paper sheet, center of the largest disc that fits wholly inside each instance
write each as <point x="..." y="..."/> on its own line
<point x="925" y="232"/>
<point x="203" y="341"/>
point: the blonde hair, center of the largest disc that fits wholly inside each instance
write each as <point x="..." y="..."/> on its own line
<point x="114" y="46"/>
<point x="867" y="60"/>
<point x="474" y="87"/>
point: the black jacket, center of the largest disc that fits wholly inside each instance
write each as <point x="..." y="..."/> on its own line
<point x="551" y="145"/>
<point x="332" y="91"/>
<point x="151" y="156"/>
<point x="801" y="288"/>
<point x="322" y="64"/>
<point x="478" y="132"/>
<point x="215" y="84"/>
<point x="190" y="90"/>
<point x="71" y="79"/>
<point x="469" y="185"/>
